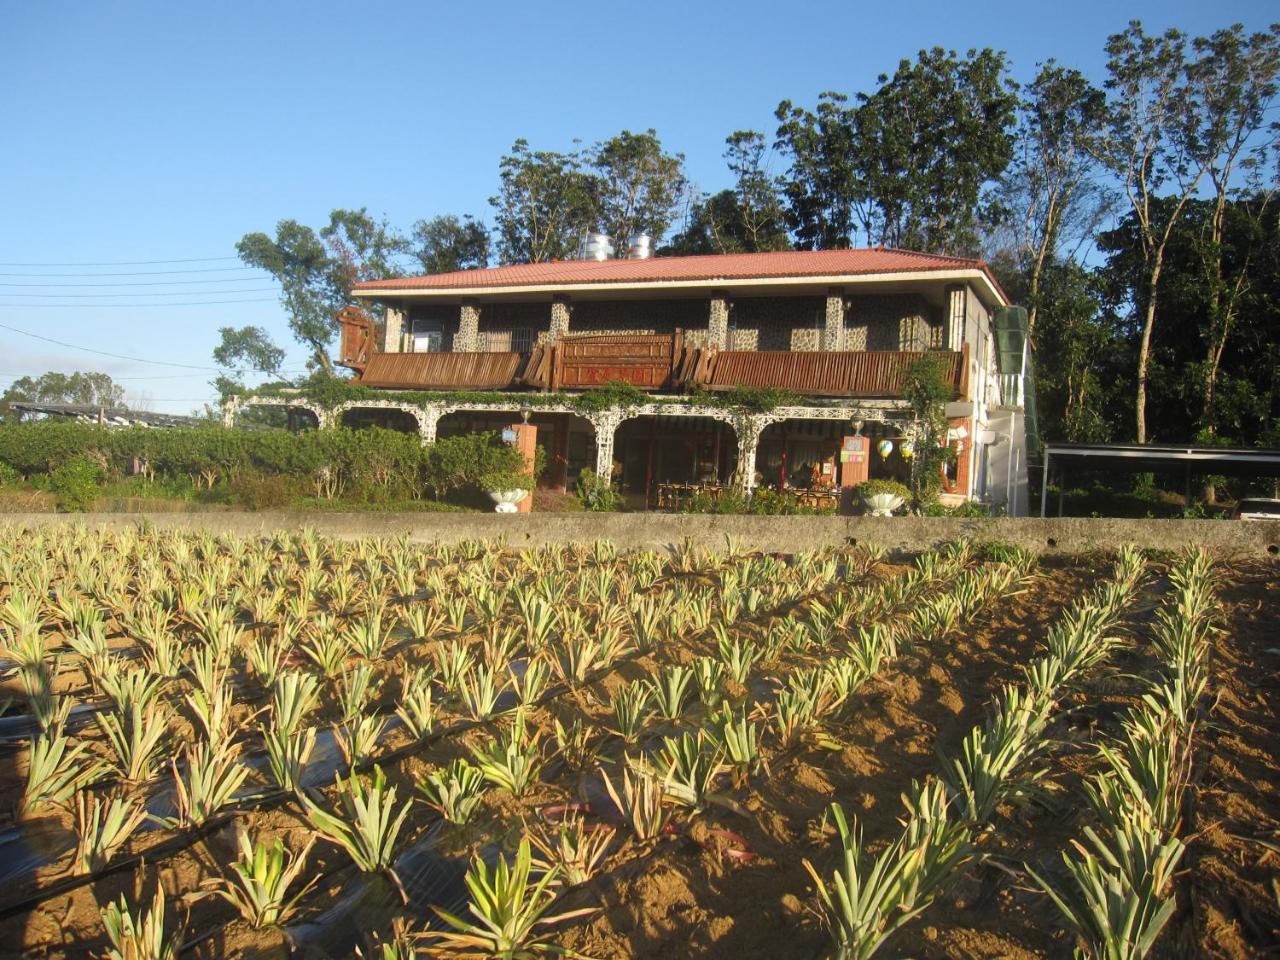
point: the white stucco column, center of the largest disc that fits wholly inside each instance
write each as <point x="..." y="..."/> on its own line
<point x="956" y="310"/>
<point x="749" y="429"/>
<point x="428" y="420"/>
<point x="229" y="408"/>
<point x="605" y="423"/>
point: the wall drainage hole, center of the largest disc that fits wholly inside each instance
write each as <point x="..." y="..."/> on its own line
<point x="1273" y="549"/>
<point x="1051" y="543"/>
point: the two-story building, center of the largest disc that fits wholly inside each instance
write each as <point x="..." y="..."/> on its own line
<point x="836" y="330"/>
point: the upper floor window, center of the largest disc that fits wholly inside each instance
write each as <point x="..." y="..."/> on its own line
<point x="515" y="340"/>
<point x="428" y="335"/>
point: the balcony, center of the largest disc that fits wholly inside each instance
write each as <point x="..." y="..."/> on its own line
<point x="868" y="374"/>
<point x="656" y="362"/>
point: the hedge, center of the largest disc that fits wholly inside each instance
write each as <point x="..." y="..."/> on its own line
<point x="334" y="462"/>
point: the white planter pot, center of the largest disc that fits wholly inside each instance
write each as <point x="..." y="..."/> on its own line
<point x="883" y="504"/>
<point x="506" y="500"/>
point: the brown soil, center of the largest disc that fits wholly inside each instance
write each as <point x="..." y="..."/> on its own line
<point x="686" y="895"/>
<point x="676" y="898"/>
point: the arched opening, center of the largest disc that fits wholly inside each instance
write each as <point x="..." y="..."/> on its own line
<point x="275" y="416"/>
<point x="386" y="418"/>
<point x="811" y="460"/>
<point x="661" y="461"/>
<point x="567" y="441"/>
<point x="800" y="454"/>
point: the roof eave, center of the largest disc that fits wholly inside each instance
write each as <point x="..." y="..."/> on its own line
<point x="982" y="279"/>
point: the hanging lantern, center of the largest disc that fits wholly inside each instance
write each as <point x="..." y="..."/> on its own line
<point x="884" y="448"/>
<point x="907" y="449"/>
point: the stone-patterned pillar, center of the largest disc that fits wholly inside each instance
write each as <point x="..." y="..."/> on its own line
<point x="229" y="408"/>
<point x="467" y="339"/>
<point x="605" y="425"/>
<point x="559" y="318"/>
<point x="956" y="309"/>
<point x="833" y="327"/>
<point x="393" y="333"/>
<point x="718" y="321"/>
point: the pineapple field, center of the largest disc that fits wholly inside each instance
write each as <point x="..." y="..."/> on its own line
<point x="296" y="746"/>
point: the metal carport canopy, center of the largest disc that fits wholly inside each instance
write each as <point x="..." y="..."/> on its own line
<point x="1134" y="457"/>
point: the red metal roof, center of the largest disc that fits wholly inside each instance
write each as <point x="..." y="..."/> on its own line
<point x="732" y="266"/>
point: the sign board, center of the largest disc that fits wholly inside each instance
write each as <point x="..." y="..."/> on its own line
<point x="508" y="435"/>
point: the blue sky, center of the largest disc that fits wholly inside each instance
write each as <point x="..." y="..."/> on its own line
<point x="165" y="131"/>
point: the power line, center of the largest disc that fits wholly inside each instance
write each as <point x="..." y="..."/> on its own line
<point x="104" y="353"/>
<point x="119" y="263"/>
<point x="153" y="293"/>
<point x="115" y="379"/>
<point x="132" y="273"/>
<point x="192" y="303"/>
<point x="137" y="283"/>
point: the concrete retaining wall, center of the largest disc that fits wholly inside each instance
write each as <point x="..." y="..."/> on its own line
<point x="773" y="534"/>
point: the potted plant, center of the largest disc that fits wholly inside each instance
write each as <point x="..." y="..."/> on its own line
<point x="506" y="488"/>
<point x="882" y="497"/>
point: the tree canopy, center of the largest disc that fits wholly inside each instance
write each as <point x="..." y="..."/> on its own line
<point x="96" y="389"/>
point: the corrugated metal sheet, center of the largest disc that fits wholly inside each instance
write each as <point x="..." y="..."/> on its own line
<point x="731" y="266"/>
<point x="442" y="371"/>
<point x="847" y="373"/>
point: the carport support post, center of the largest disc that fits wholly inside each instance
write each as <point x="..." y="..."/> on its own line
<point x="1044" y="485"/>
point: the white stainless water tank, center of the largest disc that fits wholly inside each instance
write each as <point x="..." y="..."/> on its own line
<point x="597" y="246"/>
<point x="640" y="248"/>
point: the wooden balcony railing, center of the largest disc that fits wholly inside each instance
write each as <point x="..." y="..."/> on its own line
<point x="648" y="361"/>
<point x="356" y="345"/>
<point x="870" y="374"/>
<point x="443" y="371"/>
<point x="582" y="361"/>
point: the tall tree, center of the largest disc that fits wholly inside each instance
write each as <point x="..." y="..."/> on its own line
<point x="1050" y="196"/>
<point x="544" y="203"/>
<point x="637" y="186"/>
<point x="1233" y="82"/>
<point x="1248" y="391"/>
<point x="1146" y="145"/>
<point x="1080" y="359"/>
<point x="446" y="243"/>
<point x="95" y="389"/>
<point x="713" y="224"/>
<point x="759" y="207"/>
<point x="746" y="219"/>
<point x="822" y="186"/>
<point x="933" y="139"/>
<point x="316" y="271"/>
<point x="913" y="164"/>
<point x="243" y="350"/>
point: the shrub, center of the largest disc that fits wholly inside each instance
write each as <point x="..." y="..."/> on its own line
<point x="76" y="484"/>
<point x="870" y="488"/>
<point x="260" y="491"/>
<point x="9" y="476"/>
<point x="470" y="460"/>
<point x="597" y="492"/>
